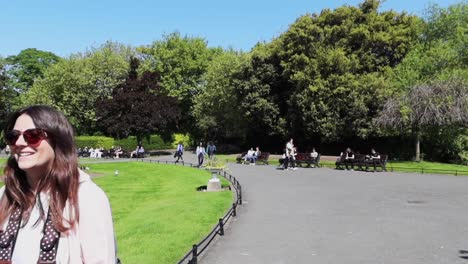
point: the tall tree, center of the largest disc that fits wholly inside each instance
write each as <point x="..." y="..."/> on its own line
<point x="425" y="107"/>
<point x="441" y="51"/>
<point x="216" y="109"/>
<point x="182" y="61"/>
<point x="324" y="77"/>
<point x="138" y="107"/>
<point x="29" y="65"/>
<point x="7" y="95"/>
<point x="440" y="55"/>
<point x="74" y="84"/>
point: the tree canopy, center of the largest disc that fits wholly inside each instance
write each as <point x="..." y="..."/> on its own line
<point x="138" y="107"/>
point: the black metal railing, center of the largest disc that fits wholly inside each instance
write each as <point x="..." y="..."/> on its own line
<point x="197" y="249"/>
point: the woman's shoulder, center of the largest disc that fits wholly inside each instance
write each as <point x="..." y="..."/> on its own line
<point x="88" y="190"/>
<point x="2" y="190"/>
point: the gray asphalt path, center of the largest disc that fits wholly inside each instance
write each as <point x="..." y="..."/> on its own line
<point x="327" y="216"/>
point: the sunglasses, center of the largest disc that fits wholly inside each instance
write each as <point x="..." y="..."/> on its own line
<point x="33" y="136"/>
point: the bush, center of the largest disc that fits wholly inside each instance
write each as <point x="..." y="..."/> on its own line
<point x="94" y="142"/>
<point x="153" y="142"/>
<point x="185" y="139"/>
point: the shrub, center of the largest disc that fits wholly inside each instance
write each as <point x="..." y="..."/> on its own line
<point x="185" y="139"/>
<point x="153" y="142"/>
<point x="94" y="141"/>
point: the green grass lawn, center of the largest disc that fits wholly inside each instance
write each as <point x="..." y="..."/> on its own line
<point x="158" y="214"/>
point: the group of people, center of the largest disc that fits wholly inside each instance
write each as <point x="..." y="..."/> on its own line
<point x="100" y="152"/>
<point x="289" y="156"/>
<point x="349" y="158"/>
<point x="252" y="155"/>
<point x="201" y="151"/>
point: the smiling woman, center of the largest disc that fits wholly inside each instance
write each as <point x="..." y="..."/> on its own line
<point x="49" y="210"/>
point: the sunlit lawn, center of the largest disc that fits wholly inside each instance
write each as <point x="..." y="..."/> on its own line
<point x="158" y="214"/>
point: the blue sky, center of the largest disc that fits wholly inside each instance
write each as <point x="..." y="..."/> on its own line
<point x="65" y="27"/>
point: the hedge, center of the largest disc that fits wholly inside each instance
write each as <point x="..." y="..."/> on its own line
<point x="94" y="141"/>
<point x="153" y="142"/>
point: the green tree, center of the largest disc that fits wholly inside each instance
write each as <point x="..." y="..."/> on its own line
<point x="441" y="51"/>
<point x="440" y="56"/>
<point x="216" y="108"/>
<point x="325" y="76"/>
<point x="73" y="85"/>
<point x="261" y="94"/>
<point x="7" y="95"/>
<point x="182" y="62"/>
<point x="29" y="65"/>
<point x="138" y="107"/>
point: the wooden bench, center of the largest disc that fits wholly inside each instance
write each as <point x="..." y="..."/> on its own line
<point x="241" y="157"/>
<point x="358" y="162"/>
<point x="363" y="162"/>
<point x="264" y="156"/>
<point x="382" y="162"/>
<point x="305" y="158"/>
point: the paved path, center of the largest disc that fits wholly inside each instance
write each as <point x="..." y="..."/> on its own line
<point x="326" y="216"/>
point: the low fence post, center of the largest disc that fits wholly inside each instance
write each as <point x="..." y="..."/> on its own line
<point x="234" y="205"/>
<point x="194" y="259"/>
<point x="239" y="198"/>
<point x="221" y="227"/>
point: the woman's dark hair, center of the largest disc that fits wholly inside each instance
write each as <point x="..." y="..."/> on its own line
<point x="60" y="181"/>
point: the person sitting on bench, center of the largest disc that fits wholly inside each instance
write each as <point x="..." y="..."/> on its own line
<point x="313" y="157"/>
<point x="374" y="158"/>
<point x="349" y="158"/>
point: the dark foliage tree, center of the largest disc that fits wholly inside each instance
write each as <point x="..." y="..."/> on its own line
<point x="138" y="107"/>
<point x="6" y="96"/>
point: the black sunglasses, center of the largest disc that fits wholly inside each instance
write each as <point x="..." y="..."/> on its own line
<point x="32" y="136"/>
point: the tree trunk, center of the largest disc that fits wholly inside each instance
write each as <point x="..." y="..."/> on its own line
<point x="418" y="150"/>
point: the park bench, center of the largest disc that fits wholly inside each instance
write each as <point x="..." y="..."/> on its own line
<point x="358" y="162"/>
<point x="264" y="156"/>
<point x="305" y="158"/>
<point x="241" y="157"/>
<point x="382" y="162"/>
<point x="362" y="162"/>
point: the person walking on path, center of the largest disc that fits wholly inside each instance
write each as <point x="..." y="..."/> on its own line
<point x="179" y="152"/>
<point x="200" y="151"/>
<point x="211" y="150"/>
